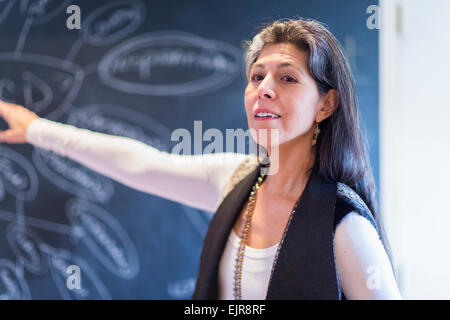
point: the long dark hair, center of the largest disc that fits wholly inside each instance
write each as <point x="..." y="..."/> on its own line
<point x="340" y="149"/>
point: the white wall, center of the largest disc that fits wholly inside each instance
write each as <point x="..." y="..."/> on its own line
<point x="415" y="142"/>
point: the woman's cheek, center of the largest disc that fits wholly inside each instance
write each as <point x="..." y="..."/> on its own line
<point x="249" y="103"/>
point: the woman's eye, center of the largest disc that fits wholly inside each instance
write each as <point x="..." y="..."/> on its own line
<point x="257" y="77"/>
<point x="288" y="79"/>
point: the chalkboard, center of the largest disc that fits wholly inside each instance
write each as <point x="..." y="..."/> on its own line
<point x="139" y="69"/>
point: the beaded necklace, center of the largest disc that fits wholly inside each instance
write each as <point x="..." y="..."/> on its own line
<point x="244" y="235"/>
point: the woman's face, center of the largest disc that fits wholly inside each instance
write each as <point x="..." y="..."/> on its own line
<point x="280" y="83"/>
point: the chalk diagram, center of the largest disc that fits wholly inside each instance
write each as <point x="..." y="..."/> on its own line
<point x="49" y="86"/>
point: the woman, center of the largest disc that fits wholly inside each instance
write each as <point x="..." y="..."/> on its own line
<point x="311" y="233"/>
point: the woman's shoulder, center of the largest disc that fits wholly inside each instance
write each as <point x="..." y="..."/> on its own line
<point x="245" y="167"/>
<point x="347" y="201"/>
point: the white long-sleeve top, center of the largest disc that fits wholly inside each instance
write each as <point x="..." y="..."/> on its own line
<point x="198" y="181"/>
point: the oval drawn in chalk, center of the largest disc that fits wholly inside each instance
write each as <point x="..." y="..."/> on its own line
<point x="12" y="285"/>
<point x="2" y="191"/>
<point x="72" y="176"/>
<point x="25" y="245"/>
<point x="181" y="289"/>
<point x="105" y="237"/>
<point x="42" y="11"/>
<point x="5" y="8"/>
<point x="17" y="174"/>
<point x="170" y="63"/>
<point x="115" y="120"/>
<point x="113" y="22"/>
<point x="91" y="288"/>
<point x="45" y="85"/>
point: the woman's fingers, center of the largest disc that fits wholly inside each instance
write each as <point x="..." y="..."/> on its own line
<point x="3" y="109"/>
<point x="18" y="119"/>
<point x="9" y="136"/>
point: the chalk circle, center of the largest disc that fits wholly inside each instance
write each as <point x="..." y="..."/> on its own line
<point x="91" y="286"/>
<point x="18" y="174"/>
<point x="204" y="65"/>
<point x="5" y="8"/>
<point x="59" y="80"/>
<point x="120" y="18"/>
<point x="40" y="13"/>
<point x="121" y="121"/>
<point x="105" y="237"/>
<point x="2" y="191"/>
<point x="72" y="176"/>
<point x="13" y="285"/>
<point x="26" y="245"/>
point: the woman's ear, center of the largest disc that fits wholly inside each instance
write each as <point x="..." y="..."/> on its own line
<point x="328" y="105"/>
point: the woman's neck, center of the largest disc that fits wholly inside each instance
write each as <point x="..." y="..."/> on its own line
<point x="290" y="166"/>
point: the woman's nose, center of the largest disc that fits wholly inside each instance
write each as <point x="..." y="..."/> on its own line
<point x="266" y="89"/>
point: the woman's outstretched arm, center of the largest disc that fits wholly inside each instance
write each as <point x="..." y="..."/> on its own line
<point x="193" y="180"/>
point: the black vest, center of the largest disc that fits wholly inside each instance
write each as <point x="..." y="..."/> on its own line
<point x="305" y="268"/>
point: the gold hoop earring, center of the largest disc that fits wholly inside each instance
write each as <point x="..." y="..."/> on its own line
<point x="316" y="134"/>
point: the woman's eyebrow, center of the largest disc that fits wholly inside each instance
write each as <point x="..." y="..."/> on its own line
<point x="280" y="65"/>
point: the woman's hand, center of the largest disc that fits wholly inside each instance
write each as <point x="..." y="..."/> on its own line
<point x="18" y="119"/>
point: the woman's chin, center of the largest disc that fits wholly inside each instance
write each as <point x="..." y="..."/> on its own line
<point x="263" y="143"/>
<point x="265" y="130"/>
<point x="266" y="140"/>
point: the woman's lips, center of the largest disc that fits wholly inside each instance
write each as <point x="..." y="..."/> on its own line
<point x="266" y="118"/>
